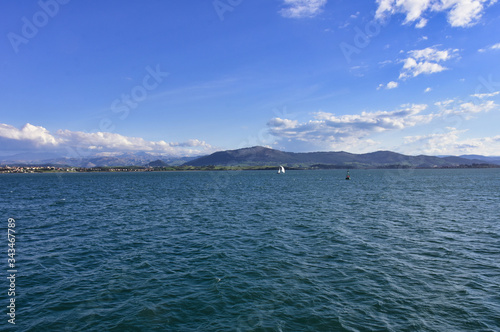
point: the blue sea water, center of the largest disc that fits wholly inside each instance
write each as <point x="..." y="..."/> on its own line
<point x="390" y="250"/>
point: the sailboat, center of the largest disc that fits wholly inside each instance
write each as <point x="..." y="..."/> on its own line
<point x="281" y="169"/>
<point x="348" y="176"/>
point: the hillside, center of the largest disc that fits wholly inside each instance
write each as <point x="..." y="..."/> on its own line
<point x="260" y="156"/>
<point x="485" y="159"/>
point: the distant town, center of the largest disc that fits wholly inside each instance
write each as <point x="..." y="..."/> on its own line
<point x="56" y="169"/>
<point x="64" y="169"/>
<point x="53" y="169"/>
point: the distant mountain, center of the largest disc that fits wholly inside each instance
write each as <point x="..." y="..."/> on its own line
<point x="490" y="160"/>
<point x="255" y="156"/>
<point x="157" y="163"/>
<point x="261" y="156"/>
<point x="109" y="159"/>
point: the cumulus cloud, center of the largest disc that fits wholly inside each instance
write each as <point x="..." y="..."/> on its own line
<point x="358" y="132"/>
<point x="425" y="61"/>
<point x="302" y="8"/>
<point x="465" y="109"/>
<point x="460" y="13"/>
<point x="28" y="135"/>
<point x="471" y="108"/>
<point x="434" y="144"/>
<point x="392" y="85"/>
<point x="348" y="130"/>
<point x="31" y="137"/>
<point x="449" y="142"/>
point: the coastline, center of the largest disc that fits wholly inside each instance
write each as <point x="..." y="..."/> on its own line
<point x="110" y="169"/>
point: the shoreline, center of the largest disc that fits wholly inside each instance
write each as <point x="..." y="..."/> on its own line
<point x="124" y="169"/>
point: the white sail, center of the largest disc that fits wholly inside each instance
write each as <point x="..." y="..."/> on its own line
<point x="282" y="169"/>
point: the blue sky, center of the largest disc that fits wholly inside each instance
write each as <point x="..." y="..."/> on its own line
<point x="193" y="77"/>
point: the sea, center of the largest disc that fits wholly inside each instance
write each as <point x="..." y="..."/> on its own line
<point x="388" y="250"/>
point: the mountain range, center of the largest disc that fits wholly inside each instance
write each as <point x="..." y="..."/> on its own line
<point x="260" y="156"/>
<point x="255" y="156"/>
<point x="113" y="159"/>
<point x="490" y="160"/>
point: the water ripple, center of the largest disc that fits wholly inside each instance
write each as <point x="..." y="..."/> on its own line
<point x="390" y="250"/>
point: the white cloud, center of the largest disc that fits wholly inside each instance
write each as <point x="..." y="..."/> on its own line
<point x="412" y="68"/>
<point x="360" y="132"/>
<point x="384" y="63"/>
<point x="449" y="143"/>
<point x="490" y="48"/>
<point x="465" y="109"/>
<point x="422" y="23"/>
<point x="34" y="136"/>
<point x="388" y="86"/>
<point x="348" y="130"/>
<point x="460" y="13"/>
<point x="31" y="137"/>
<point x="302" y="8"/>
<point x="432" y="54"/>
<point x="433" y="144"/>
<point x="392" y="85"/>
<point x="485" y="95"/>
<point x="425" y="61"/>
<point x="427" y="90"/>
<point x="412" y="8"/>
<point x="471" y="108"/>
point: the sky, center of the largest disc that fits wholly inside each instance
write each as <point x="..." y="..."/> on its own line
<point x="188" y="78"/>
